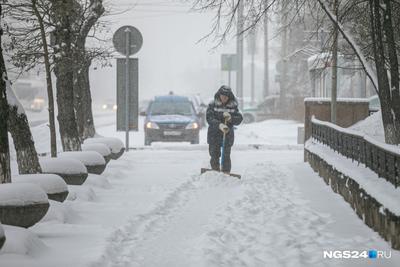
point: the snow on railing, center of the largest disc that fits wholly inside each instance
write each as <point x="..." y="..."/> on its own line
<point x="341" y="99"/>
<point x="381" y="158"/>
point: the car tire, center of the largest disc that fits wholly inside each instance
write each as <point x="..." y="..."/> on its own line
<point x="248" y="118"/>
<point x="196" y="140"/>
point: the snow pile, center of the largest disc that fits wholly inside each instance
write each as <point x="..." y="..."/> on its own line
<point x="20" y="241"/>
<point x="60" y="213"/>
<point x="102" y="149"/>
<point x="270" y="132"/>
<point x="97" y="181"/>
<point x="50" y="183"/>
<point x="214" y="179"/>
<point x="88" y="158"/>
<point x="64" y="165"/>
<point x="82" y="193"/>
<point x="371" y="126"/>
<point x="114" y="144"/>
<point x="21" y="195"/>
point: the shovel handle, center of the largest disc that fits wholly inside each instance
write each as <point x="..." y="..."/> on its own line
<point x="223" y="150"/>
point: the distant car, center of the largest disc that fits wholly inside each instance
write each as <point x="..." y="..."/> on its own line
<point x="249" y="111"/>
<point x="200" y="108"/>
<point x="171" y="118"/>
<point x="37" y="105"/>
<point x="270" y="108"/>
<point x="143" y="105"/>
<point x="109" y="105"/>
<point x="374" y="104"/>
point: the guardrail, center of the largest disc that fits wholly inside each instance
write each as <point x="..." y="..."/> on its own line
<point x="381" y="158"/>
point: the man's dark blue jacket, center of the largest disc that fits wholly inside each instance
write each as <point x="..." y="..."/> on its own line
<point x="215" y="116"/>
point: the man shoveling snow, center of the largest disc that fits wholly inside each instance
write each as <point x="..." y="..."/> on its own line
<point x="222" y="114"/>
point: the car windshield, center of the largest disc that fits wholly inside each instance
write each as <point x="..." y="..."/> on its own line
<point x="171" y="108"/>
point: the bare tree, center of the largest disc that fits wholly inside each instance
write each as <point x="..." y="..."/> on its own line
<point x="385" y="47"/>
<point x="387" y="66"/>
<point x="18" y="126"/>
<point x="30" y="41"/>
<point x="90" y="11"/>
<point x="46" y="56"/>
<point x="5" y="171"/>
<point x="63" y="14"/>
<point x="29" y="46"/>
<point x="373" y="39"/>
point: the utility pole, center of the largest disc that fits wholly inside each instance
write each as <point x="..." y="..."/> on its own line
<point x="334" y="67"/>
<point x="127" y="87"/>
<point x="266" y="54"/>
<point x="284" y="53"/>
<point x="252" y="49"/>
<point x="239" y="53"/>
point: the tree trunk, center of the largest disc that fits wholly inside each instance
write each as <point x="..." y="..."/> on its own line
<point x="63" y="16"/>
<point x="83" y="100"/>
<point x="27" y="158"/>
<point x="394" y="71"/>
<point x="53" y="142"/>
<point x="5" y="171"/>
<point x="391" y="120"/>
<point x="65" y="102"/>
<point x="266" y="52"/>
<point x="334" y="67"/>
<point x="283" y="83"/>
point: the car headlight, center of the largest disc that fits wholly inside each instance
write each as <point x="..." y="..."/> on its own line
<point x="192" y="125"/>
<point x="104" y="106"/>
<point x="115" y="107"/>
<point x="152" y="125"/>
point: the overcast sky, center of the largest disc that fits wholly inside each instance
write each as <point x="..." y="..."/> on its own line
<point x="171" y="59"/>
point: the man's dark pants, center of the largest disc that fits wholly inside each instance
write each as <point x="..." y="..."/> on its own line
<point x="215" y="153"/>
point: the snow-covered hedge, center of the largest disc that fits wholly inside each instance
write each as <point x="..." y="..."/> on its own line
<point x="100" y="148"/>
<point x="114" y="144"/>
<point x="50" y="183"/>
<point x="62" y="165"/>
<point x="88" y="158"/>
<point x="21" y="194"/>
<point x="22" y="205"/>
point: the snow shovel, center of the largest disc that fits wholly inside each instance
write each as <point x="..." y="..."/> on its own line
<point x="203" y="170"/>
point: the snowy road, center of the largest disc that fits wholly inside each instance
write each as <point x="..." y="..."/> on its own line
<point x="153" y="208"/>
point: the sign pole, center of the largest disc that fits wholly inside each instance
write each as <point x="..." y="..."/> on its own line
<point x="127" y="32"/>
<point x="229" y="78"/>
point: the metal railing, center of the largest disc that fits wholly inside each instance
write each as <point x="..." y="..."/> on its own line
<point x="382" y="160"/>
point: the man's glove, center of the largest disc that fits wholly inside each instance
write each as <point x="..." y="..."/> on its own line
<point x="227" y="116"/>
<point x="223" y="128"/>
